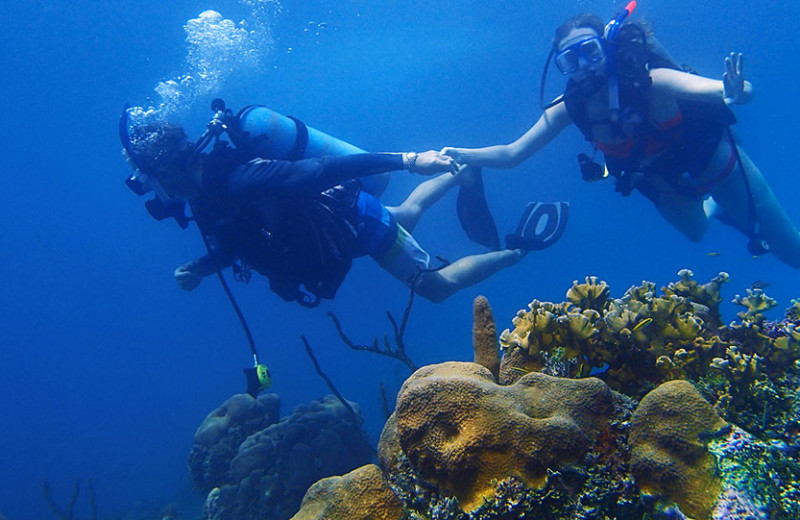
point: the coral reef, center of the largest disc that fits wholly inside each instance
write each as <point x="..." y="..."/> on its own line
<point x="643" y="407"/>
<point x="643" y="339"/>
<point x="273" y="467"/>
<point x="618" y="339"/>
<point x="484" y="336"/>
<point x="217" y="439"/>
<point x="667" y="456"/>
<point x="759" y="477"/>
<point x="461" y="430"/>
<point x="362" y="494"/>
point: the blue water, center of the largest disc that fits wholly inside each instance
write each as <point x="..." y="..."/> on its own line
<point x="108" y="368"/>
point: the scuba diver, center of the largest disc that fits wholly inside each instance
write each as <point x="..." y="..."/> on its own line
<point x="663" y="131"/>
<point x="300" y="221"/>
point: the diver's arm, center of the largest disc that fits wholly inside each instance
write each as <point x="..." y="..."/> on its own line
<point x="682" y="85"/>
<point x="549" y="125"/>
<point x="261" y="177"/>
<point x="190" y="274"/>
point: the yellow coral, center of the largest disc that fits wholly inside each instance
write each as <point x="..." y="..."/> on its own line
<point x="362" y="494"/>
<point x="756" y="303"/>
<point x="667" y="457"/>
<point x="589" y="295"/>
<point x="463" y="432"/>
<point x="706" y="295"/>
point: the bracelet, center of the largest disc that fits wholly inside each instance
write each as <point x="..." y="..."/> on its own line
<point x="411" y="161"/>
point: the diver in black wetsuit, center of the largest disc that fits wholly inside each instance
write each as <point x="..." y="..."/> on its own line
<point x="663" y="132"/>
<point x="300" y="223"/>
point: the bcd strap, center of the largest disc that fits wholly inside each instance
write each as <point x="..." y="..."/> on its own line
<point x="300" y="141"/>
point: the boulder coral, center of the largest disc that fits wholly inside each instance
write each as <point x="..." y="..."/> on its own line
<point x="217" y="439"/>
<point x="362" y="494"/>
<point x="667" y="455"/>
<point x="273" y="467"/>
<point x="462" y="431"/>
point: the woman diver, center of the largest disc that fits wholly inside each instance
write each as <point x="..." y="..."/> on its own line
<point x="663" y="132"/>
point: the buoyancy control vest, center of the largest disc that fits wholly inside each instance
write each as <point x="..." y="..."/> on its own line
<point x="686" y="146"/>
<point x="296" y="241"/>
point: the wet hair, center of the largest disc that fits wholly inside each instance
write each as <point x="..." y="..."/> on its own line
<point x="630" y="28"/>
<point x="587" y="20"/>
<point x="160" y="148"/>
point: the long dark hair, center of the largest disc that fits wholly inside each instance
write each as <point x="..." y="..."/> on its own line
<point x="587" y="20"/>
<point x="595" y="23"/>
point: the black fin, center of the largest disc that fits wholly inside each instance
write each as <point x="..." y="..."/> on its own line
<point x="473" y="211"/>
<point x="532" y="234"/>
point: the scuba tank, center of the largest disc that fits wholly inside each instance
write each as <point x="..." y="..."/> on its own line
<point x="271" y="135"/>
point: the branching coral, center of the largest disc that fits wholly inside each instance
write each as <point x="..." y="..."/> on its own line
<point x="619" y="337"/>
<point x="645" y="338"/>
<point x="756" y="303"/>
<point x="705" y="297"/>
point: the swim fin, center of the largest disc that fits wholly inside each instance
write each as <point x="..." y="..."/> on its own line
<point x="541" y="225"/>
<point x="473" y="211"/>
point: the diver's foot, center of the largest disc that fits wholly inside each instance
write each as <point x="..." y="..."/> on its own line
<point x="541" y="225"/>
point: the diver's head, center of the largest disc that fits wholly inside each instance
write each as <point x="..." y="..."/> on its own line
<point x="161" y="151"/>
<point x="579" y="51"/>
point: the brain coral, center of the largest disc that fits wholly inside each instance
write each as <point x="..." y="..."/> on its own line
<point x="460" y="429"/>
<point x="667" y="455"/>
<point x="362" y="494"/>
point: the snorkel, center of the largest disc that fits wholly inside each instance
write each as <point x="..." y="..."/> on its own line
<point x="610" y="35"/>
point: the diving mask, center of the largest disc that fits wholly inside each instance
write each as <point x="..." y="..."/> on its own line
<point x="568" y="59"/>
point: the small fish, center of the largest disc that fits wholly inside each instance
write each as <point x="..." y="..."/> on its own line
<point x="519" y="370"/>
<point x="759" y="284"/>
<point x="713" y="253"/>
<point x="644" y="323"/>
<point x="599" y="370"/>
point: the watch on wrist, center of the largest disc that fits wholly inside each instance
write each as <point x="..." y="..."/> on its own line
<point x="411" y="157"/>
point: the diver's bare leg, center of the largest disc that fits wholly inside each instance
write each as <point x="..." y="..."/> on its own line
<point x="775" y="226"/>
<point x="422" y="198"/>
<point x="439" y="285"/>
<point x="685" y="214"/>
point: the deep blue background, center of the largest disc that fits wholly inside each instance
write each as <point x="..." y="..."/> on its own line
<point x="108" y="367"/>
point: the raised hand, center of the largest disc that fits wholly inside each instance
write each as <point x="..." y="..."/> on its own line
<point x="734" y="89"/>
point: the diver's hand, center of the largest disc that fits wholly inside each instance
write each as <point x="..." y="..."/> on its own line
<point x="456" y="153"/>
<point x="187" y="276"/>
<point x="736" y="91"/>
<point x="433" y="162"/>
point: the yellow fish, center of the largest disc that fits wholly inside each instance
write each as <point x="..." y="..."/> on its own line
<point x="713" y="253"/>
<point x="519" y="370"/>
<point x="644" y="323"/>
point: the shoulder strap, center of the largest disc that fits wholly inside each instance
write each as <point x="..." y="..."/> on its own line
<point x="576" y="108"/>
